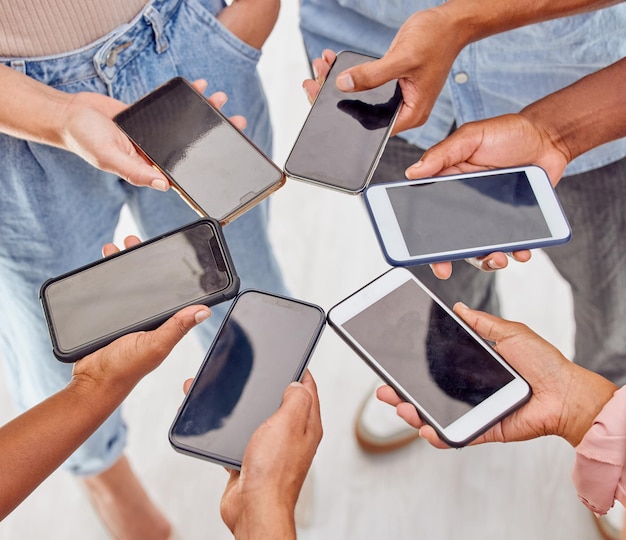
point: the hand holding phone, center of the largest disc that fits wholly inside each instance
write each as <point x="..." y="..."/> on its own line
<point x="137" y="289"/>
<point x="265" y="342"/>
<point x="344" y="134"/>
<point x="214" y="167"/>
<point x="466" y="215"/>
<point x="457" y="383"/>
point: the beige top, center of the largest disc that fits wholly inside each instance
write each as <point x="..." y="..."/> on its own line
<point x="45" y="27"/>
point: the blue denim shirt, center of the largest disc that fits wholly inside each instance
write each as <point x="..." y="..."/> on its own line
<point x="497" y="75"/>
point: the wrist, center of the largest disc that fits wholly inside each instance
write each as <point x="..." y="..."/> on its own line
<point x="267" y="518"/>
<point x="591" y="393"/>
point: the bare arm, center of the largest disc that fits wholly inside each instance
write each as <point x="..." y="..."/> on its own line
<point x="35" y="443"/>
<point x="426" y="45"/>
<point x="251" y="21"/>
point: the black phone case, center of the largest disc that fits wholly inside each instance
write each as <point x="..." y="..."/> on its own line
<point x="225" y="461"/>
<point x="70" y="356"/>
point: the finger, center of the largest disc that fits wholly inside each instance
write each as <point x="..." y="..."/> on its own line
<point x="218" y="100"/>
<point x="131" y="241"/>
<point x="368" y="75"/>
<point x="442" y="270"/>
<point x="311" y="89"/>
<point x="488" y="326"/>
<point x="388" y="395"/>
<point x="187" y="385"/>
<point x="109" y="249"/>
<point x="238" y="121"/>
<point x="429" y="434"/>
<point x="522" y="256"/>
<point x="329" y="56"/>
<point x="166" y="336"/>
<point x="494" y="261"/>
<point x="320" y="69"/>
<point x="409" y="414"/>
<point x="137" y="171"/>
<point x="200" y="85"/>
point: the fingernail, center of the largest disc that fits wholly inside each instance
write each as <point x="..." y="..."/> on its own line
<point x="413" y="168"/>
<point x="202" y="315"/>
<point x="492" y="264"/>
<point x="159" y="184"/>
<point x="345" y="82"/>
<point x="315" y="72"/>
<point x="462" y="305"/>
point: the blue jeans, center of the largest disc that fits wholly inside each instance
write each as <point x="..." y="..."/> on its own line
<point x="593" y="263"/>
<point x="56" y="211"/>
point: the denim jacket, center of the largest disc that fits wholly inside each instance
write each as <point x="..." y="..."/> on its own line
<point x="497" y="75"/>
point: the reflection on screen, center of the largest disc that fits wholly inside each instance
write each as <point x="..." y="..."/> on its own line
<point x="432" y="357"/>
<point x="343" y="133"/>
<point x="135" y="286"/>
<point x="206" y="156"/>
<point x="259" y="352"/>
<point x="454" y="214"/>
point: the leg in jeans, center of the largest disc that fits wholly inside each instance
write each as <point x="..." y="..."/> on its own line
<point x="56" y="213"/>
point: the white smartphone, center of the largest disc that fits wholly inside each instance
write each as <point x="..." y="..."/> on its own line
<point x="466" y="215"/>
<point x="420" y="347"/>
<point x="344" y="134"/>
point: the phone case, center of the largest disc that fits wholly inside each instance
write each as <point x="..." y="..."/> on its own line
<point x="209" y="202"/>
<point x="389" y="381"/>
<point x="355" y="107"/>
<point x="212" y="299"/>
<point x="226" y="461"/>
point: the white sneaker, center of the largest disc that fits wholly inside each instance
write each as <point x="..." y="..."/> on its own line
<point x="377" y="427"/>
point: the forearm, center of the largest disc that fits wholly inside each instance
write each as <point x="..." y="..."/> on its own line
<point x="38" y="441"/>
<point x="251" y="20"/>
<point x="477" y="19"/>
<point x="586" y="114"/>
<point x="31" y="110"/>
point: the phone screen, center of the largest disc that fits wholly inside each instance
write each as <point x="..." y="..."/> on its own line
<point x="452" y="215"/>
<point x="206" y="156"/>
<point x="137" y="285"/>
<point x="263" y="345"/>
<point x="344" y="133"/>
<point x="424" y="349"/>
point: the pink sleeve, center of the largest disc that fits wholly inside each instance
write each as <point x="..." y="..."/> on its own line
<point x="599" y="469"/>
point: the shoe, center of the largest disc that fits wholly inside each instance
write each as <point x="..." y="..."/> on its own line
<point x="611" y="524"/>
<point x="378" y="429"/>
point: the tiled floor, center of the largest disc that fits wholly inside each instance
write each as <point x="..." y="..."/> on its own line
<point x="327" y="249"/>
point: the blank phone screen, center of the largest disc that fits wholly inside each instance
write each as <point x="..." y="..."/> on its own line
<point x="203" y="153"/>
<point x="263" y="346"/>
<point x="344" y="133"/>
<point x="428" y="353"/>
<point x="460" y="214"/>
<point x="136" y="285"/>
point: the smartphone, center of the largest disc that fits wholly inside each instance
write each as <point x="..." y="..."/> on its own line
<point x="466" y="215"/>
<point x="420" y="347"/>
<point x="138" y="288"/>
<point x="344" y="134"/>
<point x="265" y="342"/>
<point x="213" y="166"/>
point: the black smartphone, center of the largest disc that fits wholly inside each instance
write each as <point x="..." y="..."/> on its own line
<point x="138" y="288"/>
<point x="265" y="342"/>
<point x="212" y="165"/>
<point x="457" y="382"/>
<point x="344" y="134"/>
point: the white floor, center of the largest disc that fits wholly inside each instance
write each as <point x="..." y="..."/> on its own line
<point x="325" y="244"/>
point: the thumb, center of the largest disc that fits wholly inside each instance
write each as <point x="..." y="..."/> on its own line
<point x="367" y="75"/>
<point x="487" y="326"/>
<point x="166" y="336"/>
